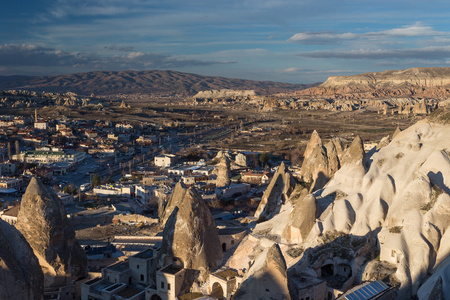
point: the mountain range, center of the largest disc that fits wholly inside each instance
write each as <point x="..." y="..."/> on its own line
<point x="154" y="83"/>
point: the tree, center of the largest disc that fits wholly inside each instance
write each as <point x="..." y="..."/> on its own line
<point x="95" y="180"/>
<point x="109" y="180"/>
<point x="264" y="158"/>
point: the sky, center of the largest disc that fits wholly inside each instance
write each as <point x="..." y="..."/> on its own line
<point x="292" y="41"/>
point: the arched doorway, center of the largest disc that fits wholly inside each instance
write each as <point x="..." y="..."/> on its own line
<point x="155" y="297"/>
<point x="217" y="291"/>
<point x="224" y="247"/>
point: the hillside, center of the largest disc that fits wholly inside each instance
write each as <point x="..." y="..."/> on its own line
<point x="416" y="82"/>
<point x="155" y="83"/>
<point x="383" y="215"/>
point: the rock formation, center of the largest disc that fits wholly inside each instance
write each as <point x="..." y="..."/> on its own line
<point x="355" y="153"/>
<point x="415" y="82"/>
<point x="241" y="160"/>
<point x="313" y="143"/>
<point x="165" y="209"/>
<point x="224" y="94"/>
<point x="301" y="220"/>
<point x="20" y="272"/>
<point x="267" y="277"/>
<point x="276" y="194"/>
<point x="43" y="222"/>
<point x="396" y="132"/>
<point x="190" y="235"/>
<point x="320" y="162"/>
<point x="223" y="172"/>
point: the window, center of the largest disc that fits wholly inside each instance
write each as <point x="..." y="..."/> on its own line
<point x="137" y="266"/>
<point x="168" y="286"/>
<point x="162" y="284"/>
<point x="392" y="253"/>
<point x="142" y="277"/>
<point x="232" y="242"/>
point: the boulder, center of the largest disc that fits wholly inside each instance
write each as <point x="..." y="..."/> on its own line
<point x="43" y="222"/>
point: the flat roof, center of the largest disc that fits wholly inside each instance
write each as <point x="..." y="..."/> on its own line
<point x="129" y="292"/>
<point x="144" y="254"/>
<point x="171" y="269"/>
<point x="119" y="267"/>
<point x="227" y="273"/>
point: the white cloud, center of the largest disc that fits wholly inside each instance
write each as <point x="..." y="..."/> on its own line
<point x="431" y="53"/>
<point x="324" y="37"/>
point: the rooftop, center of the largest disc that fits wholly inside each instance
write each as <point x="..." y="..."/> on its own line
<point x="129" y="292"/>
<point x="227" y="274"/>
<point x="119" y="267"/>
<point x="144" y="254"/>
<point x="171" y="269"/>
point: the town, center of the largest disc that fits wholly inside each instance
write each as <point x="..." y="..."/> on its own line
<point x="174" y="208"/>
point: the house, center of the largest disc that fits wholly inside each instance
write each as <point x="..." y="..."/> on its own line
<point x="156" y="179"/>
<point x="11" y="183"/>
<point x="90" y="134"/>
<point x="10" y="215"/>
<point x="165" y="160"/>
<point x="169" y="281"/>
<point x="123" y="280"/>
<point x="145" y="194"/>
<point x="234" y="190"/>
<point x="47" y="156"/>
<point x="41" y="125"/>
<point x="9" y="167"/>
<point x="224" y="283"/>
<point x="256" y="177"/>
<point x="146" y="139"/>
<point x="65" y="198"/>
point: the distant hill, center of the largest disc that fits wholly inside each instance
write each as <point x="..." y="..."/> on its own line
<point x="415" y="82"/>
<point x="155" y="83"/>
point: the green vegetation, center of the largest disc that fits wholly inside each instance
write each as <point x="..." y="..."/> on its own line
<point x="395" y="229"/>
<point x="95" y="180"/>
<point x="295" y="252"/>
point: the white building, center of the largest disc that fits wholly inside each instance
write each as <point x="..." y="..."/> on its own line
<point x="165" y="160"/>
<point x="114" y="190"/>
<point x="47" y="157"/>
<point x="42" y="125"/>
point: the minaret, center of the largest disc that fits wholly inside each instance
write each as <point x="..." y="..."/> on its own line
<point x="35" y="115"/>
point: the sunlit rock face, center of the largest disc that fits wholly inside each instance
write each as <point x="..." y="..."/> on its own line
<point x="190" y="235"/>
<point x="43" y="222"/>
<point x="276" y="194"/>
<point x="267" y="278"/>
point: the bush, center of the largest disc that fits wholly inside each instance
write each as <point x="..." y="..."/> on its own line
<point x="396" y="229"/>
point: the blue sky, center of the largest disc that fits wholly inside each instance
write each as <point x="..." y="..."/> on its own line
<point x="280" y="40"/>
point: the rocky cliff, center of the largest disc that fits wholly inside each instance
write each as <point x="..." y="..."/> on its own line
<point x="190" y="235"/>
<point x="20" y="272"/>
<point x="224" y="94"/>
<point x="392" y="203"/>
<point x="415" y="82"/>
<point x="42" y="221"/>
